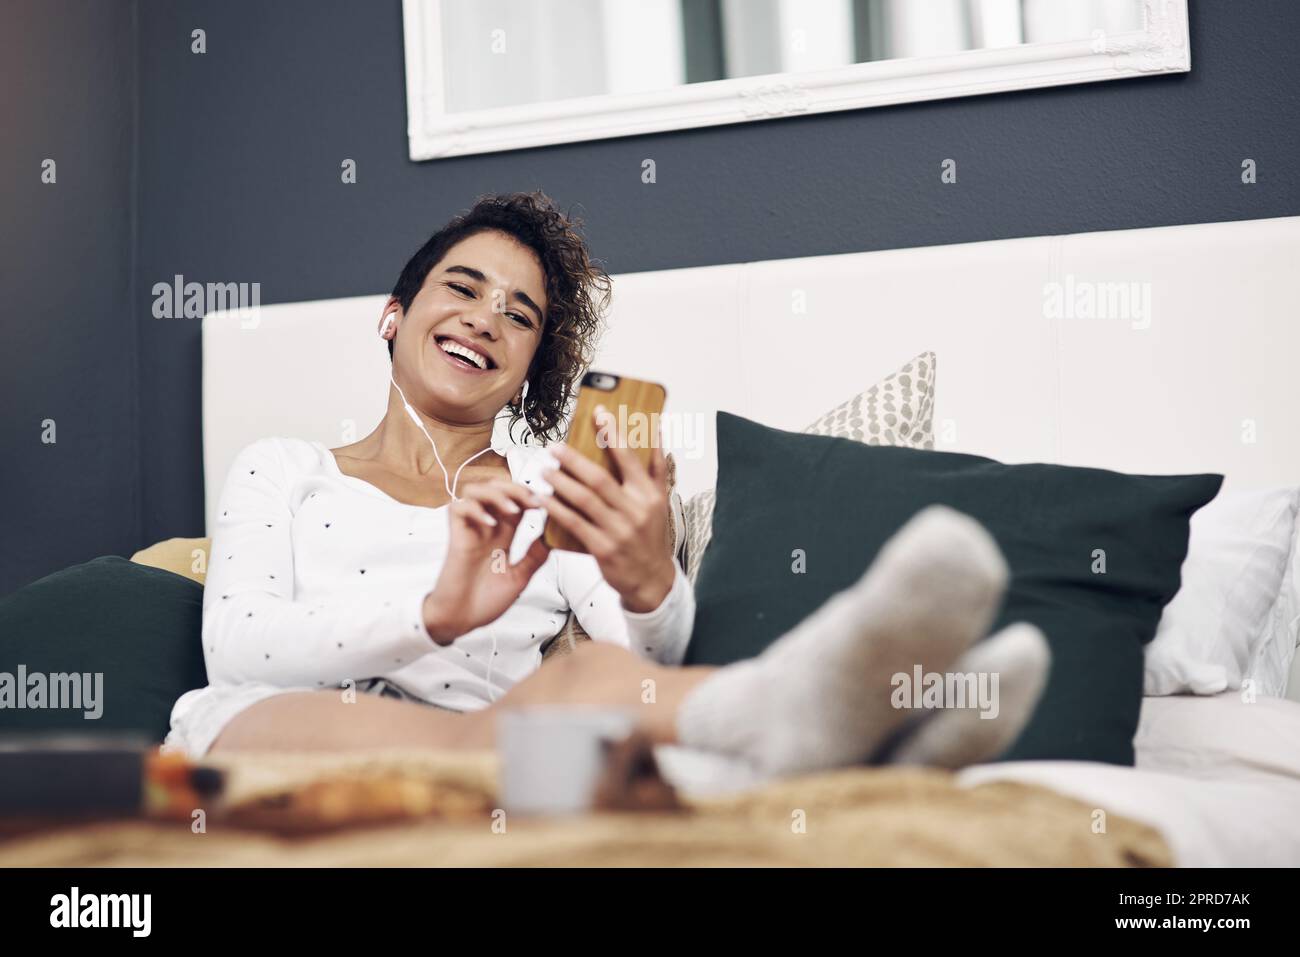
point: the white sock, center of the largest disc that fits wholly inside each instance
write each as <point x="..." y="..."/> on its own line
<point x="956" y="737"/>
<point x="819" y="697"/>
<point x="694" y="773"/>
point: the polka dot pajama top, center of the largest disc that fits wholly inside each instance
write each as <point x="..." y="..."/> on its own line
<point x="316" y="578"/>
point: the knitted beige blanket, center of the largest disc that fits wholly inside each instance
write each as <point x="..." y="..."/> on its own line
<point x="439" y="809"/>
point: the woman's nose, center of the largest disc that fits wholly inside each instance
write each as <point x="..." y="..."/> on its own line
<point x="482" y="319"/>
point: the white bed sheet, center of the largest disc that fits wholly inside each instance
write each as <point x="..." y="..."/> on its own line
<point x="1217" y="776"/>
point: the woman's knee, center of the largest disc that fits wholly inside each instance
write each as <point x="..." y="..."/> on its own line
<point x="598" y="657"/>
<point x="599" y="671"/>
<point x="579" y="667"/>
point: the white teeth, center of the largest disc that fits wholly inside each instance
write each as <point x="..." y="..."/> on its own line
<point x="456" y="349"/>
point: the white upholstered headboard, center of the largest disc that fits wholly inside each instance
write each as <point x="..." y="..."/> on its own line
<point x="1210" y="383"/>
<point x="1204" y="380"/>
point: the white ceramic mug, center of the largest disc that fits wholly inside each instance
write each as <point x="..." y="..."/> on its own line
<point x="552" y="756"/>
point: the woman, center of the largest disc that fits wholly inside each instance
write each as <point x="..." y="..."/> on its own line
<point x="409" y="564"/>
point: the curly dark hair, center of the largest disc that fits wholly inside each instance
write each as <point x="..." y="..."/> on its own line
<point x="577" y="294"/>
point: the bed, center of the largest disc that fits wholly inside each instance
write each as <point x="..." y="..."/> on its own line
<point x="1215" y="785"/>
<point x="1217" y="777"/>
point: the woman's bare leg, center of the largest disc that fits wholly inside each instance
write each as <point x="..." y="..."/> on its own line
<point x="594" y="673"/>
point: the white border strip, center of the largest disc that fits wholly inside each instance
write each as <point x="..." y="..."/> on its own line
<point x="1161" y="47"/>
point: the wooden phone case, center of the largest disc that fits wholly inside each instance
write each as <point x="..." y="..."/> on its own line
<point x="627" y="398"/>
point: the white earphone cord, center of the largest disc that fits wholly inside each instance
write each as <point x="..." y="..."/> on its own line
<point x="449" y="484"/>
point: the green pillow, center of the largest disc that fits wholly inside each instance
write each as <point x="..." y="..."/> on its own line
<point x="838" y="501"/>
<point x="138" y="627"/>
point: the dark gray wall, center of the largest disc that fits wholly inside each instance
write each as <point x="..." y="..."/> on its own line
<point x="239" y="153"/>
<point x="68" y="347"/>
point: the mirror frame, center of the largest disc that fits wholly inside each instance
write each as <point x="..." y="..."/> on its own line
<point x="1161" y="47"/>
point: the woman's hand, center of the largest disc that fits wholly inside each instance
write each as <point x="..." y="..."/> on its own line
<point x="477" y="583"/>
<point x="623" y="525"/>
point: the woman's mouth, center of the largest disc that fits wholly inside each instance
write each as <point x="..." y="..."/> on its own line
<point x="464" y="357"/>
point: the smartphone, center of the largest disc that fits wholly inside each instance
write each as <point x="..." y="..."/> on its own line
<point x="636" y="405"/>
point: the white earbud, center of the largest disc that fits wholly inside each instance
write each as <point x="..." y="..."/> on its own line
<point x="386" y="324"/>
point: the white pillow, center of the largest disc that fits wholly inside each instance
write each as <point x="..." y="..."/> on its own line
<point x="1282" y="653"/>
<point x="1226" y="735"/>
<point x="1228" y="620"/>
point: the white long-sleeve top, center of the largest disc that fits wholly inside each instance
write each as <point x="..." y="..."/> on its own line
<point x="315" y="577"/>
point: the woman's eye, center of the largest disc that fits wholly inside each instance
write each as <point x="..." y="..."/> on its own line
<point x="467" y="292"/>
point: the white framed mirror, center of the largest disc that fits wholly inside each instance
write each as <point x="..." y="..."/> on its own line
<point x="488" y="75"/>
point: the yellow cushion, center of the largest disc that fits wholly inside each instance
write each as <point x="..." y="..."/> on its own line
<point x="184" y="556"/>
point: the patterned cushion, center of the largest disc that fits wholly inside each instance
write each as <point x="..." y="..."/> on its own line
<point x="898" y="410"/>
<point x="699" y="529"/>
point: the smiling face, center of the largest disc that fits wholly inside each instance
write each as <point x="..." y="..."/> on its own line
<point x="464" y="348"/>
